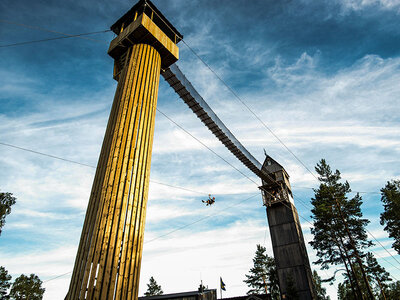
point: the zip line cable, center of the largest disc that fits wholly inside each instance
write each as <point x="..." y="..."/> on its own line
<point x="310" y="188"/>
<point x="233" y="167"/>
<point x="52" y="39"/>
<point x="53" y="31"/>
<point x="201" y="219"/>
<point x="175" y="230"/>
<point x="180" y="188"/>
<point x="56" y="277"/>
<point x="86" y="165"/>
<point x="248" y="108"/>
<point x="376" y="253"/>
<point x="256" y="183"/>
<point x="93" y="167"/>
<point x="259" y="119"/>
<point x="187" y="132"/>
<point x="47" y="155"/>
<point x="383" y="246"/>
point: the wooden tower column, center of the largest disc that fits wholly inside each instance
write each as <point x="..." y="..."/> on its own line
<point x="107" y="264"/>
<point x="290" y="253"/>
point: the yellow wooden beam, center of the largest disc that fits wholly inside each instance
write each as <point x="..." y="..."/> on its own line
<point x="110" y="251"/>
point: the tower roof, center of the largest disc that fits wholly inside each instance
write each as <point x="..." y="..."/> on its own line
<point x="271" y="166"/>
<point x="147" y="7"/>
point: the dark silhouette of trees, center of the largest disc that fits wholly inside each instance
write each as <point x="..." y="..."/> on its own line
<point x="391" y="215"/>
<point x="153" y="289"/>
<point x="25" y="287"/>
<point x="377" y="276"/>
<point x="6" y="201"/>
<point x="339" y="229"/>
<point x="320" y="291"/>
<point x="263" y="275"/>
<point x="5" y="283"/>
<point x="393" y="292"/>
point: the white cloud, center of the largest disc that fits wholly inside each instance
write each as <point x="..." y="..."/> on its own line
<point x="362" y="4"/>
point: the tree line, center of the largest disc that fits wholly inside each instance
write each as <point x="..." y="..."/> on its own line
<point x="23" y="287"/>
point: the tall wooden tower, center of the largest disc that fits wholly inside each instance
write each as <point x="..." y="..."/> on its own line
<point x="107" y="264"/>
<point x="287" y="238"/>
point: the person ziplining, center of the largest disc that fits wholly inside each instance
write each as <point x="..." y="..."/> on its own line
<point x="210" y="201"/>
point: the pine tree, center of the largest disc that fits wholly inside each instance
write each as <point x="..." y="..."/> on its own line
<point x="378" y="275"/>
<point x="393" y="292"/>
<point x="263" y="275"/>
<point x="6" y="201"/>
<point x="4" y="283"/>
<point x="25" y="287"/>
<point x="319" y="290"/>
<point x="153" y="289"/>
<point x="344" y="292"/>
<point x="391" y="215"/>
<point x="338" y="228"/>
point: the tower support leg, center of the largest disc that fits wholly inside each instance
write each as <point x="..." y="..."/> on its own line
<point x="290" y="252"/>
<point x="107" y="264"/>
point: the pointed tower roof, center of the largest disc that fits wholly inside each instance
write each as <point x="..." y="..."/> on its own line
<point x="270" y="165"/>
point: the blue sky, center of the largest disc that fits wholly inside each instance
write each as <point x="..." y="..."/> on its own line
<point x="323" y="75"/>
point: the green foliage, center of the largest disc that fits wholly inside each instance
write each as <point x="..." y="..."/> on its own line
<point x="263" y="273"/>
<point x="319" y="290"/>
<point x="393" y="291"/>
<point x="344" y="292"/>
<point x="25" y="287"/>
<point x="153" y="289"/>
<point x="6" y="201"/>
<point x="391" y="215"/>
<point x="4" y="283"/>
<point x="330" y="206"/>
<point x="377" y="276"/>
